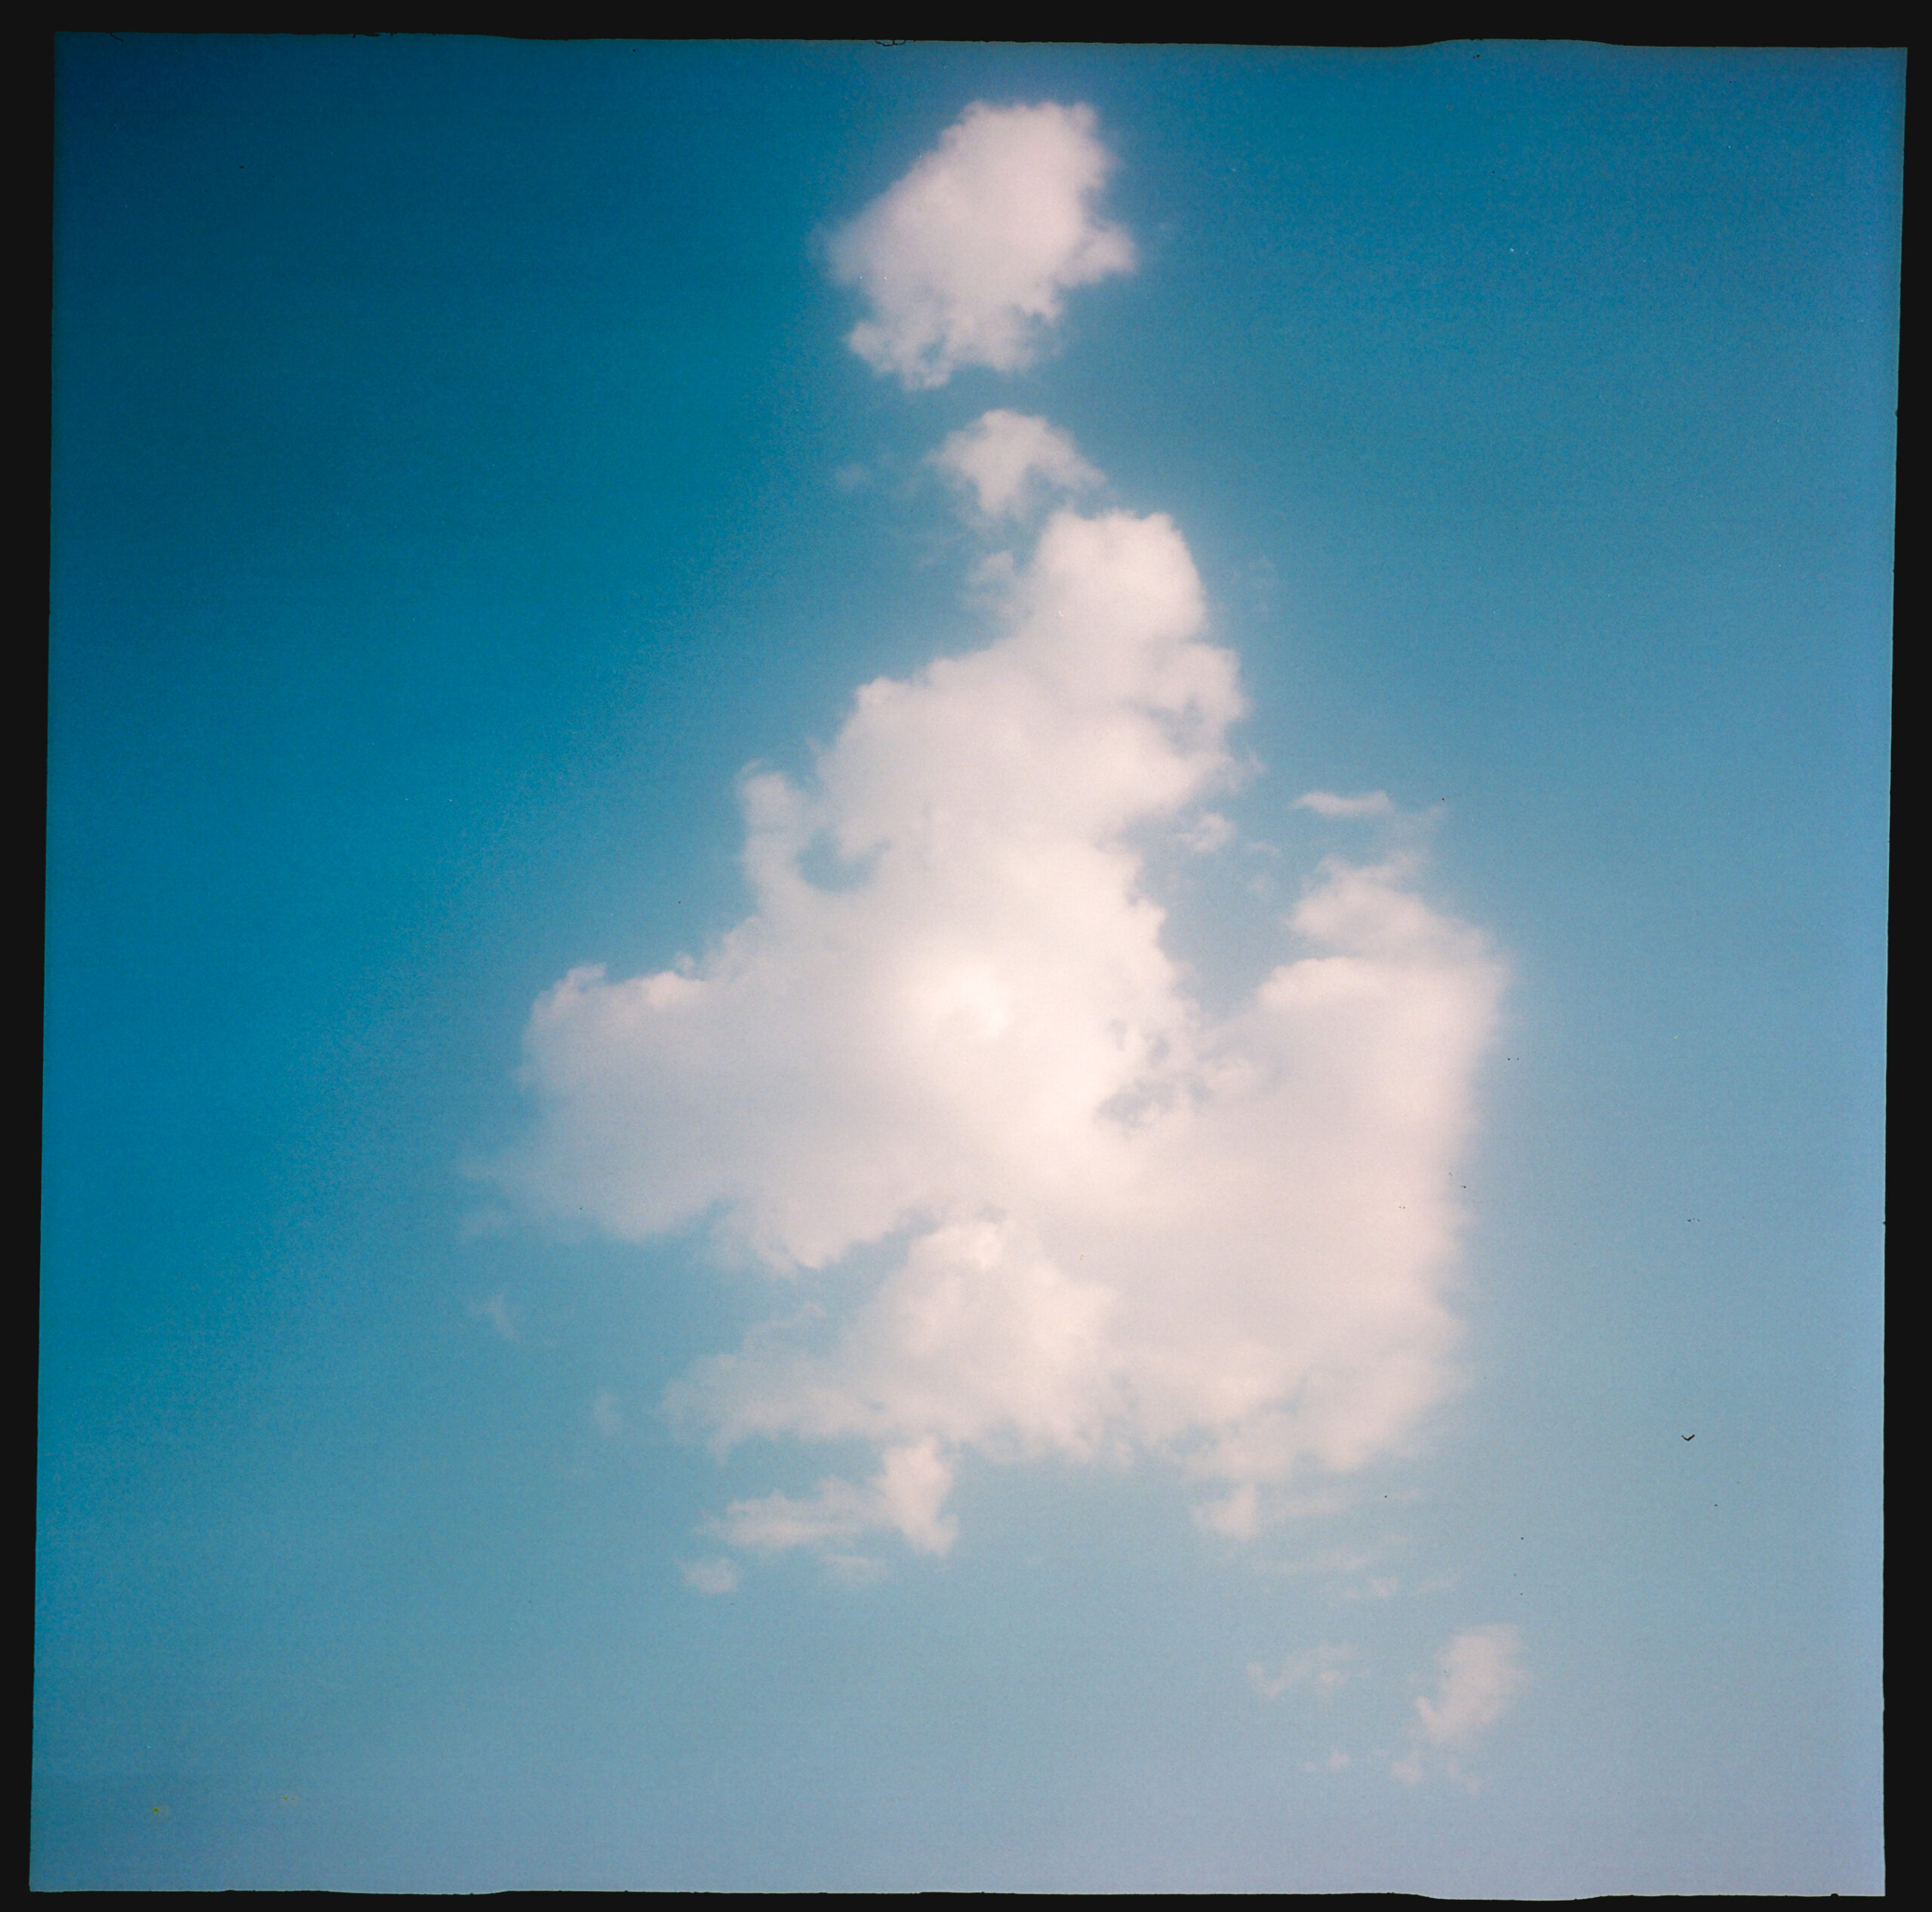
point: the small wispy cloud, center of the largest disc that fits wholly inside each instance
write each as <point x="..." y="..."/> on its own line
<point x="498" y="1310"/>
<point x="1382" y="1586"/>
<point x="1010" y="463"/>
<point x="1241" y="1514"/>
<point x="1209" y="832"/>
<point x="968" y="258"/>
<point x="606" y="1414"/>
<point x="1481" y="1673"/>
<point x="712" y="1576"/>
<point x="905" y="1497"/>
<point x="853" y="1569"/>
<point x="1324" y="1670"/>
<point x="1325" y="802"/>
<point x="1336" y="1560"/>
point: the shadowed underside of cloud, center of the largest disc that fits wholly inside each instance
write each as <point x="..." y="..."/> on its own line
<point x="967" y="260"/>
<point x="1127" y="1225"/>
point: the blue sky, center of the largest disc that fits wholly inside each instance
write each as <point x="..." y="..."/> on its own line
<point x="482" y="1442"/>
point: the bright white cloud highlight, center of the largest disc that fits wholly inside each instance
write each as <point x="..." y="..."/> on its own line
<point x="967" y="260"/>
<point x="1009" y="461"/>
<point x="1108" y="1223"/>
<point x="1480" y="1674"/>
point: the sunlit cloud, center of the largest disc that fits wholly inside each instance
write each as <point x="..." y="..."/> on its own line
<point x="1008" y="462"/>
<point x="1114" y="1223"/>
<point x="968" y="258"/>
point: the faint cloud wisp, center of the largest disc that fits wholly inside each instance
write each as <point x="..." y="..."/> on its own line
<point x="1481" y="1675"/>
<point x="713" y="1576"/>
<point x="501" y="1314"/>
<point x="1324" y="1670"/>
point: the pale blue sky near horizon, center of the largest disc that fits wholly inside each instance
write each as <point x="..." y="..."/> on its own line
<point x="460" y="477"/>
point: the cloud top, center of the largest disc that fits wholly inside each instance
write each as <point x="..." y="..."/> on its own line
<point x="1103" y="1221"/>
<point x="967" y="258"/>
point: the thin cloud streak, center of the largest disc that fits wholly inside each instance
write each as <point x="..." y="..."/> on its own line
<point x="1325" y="802"/>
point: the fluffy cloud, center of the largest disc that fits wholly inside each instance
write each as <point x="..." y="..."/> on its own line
<point x="1008" y="462"/>
<point x="967" y="260"/>
<point x="1101" y="1221"/>
<point x="1481" y="1673"/>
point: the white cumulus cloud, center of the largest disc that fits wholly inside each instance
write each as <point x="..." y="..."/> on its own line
<point x="1108" y="1221"/>
<point x="1008" y="462"/>
<point x="1481" y="1673"/>
<point x="968" y="259"/>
